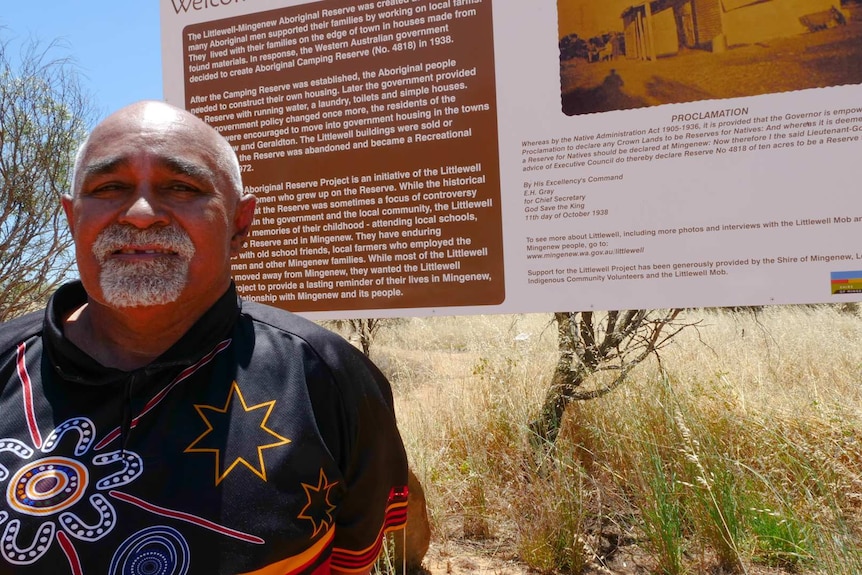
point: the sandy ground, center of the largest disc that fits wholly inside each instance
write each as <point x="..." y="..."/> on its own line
<point x="462" y="558"/>
<point x="474" y="558"/>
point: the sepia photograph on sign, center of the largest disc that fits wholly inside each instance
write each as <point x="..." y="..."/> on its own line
<point x="625" y="54"/>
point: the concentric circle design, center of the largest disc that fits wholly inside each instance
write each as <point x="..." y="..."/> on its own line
<point x="47" y="486"/>
<point x="159" y="550"/>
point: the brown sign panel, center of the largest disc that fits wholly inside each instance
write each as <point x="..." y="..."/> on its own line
<point x="368" y="133"/>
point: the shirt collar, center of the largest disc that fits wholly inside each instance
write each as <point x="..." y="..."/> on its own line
<point x="73" y="364"/>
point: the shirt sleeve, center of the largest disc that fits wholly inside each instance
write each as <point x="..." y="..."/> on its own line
<point x="375" y="464"/>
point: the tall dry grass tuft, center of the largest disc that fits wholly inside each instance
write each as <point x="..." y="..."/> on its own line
<point x="741" y="449"/>
<point x="553" y="516"/>
<point x="465" y="388"/>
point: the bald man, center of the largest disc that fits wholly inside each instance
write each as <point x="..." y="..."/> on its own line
<point x="155" y="423"/>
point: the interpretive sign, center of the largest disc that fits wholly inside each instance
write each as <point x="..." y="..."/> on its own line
<point x="470" y="156"/>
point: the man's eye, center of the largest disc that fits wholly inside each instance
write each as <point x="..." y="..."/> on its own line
<point x="185" y="188"/>
<point x="107" y="188"/>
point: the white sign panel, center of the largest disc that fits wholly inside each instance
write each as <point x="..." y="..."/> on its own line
<point x="468" y="156"/>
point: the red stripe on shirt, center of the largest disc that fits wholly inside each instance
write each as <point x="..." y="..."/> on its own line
<point x="115" y="433"/>
<point x="27" y="386"/>
<point x="188" y="517"/>
<point x="71" y="554"/>
<point x="394" y="519"/>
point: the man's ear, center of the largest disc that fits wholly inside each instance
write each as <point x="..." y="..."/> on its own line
<point x="66" y="201"/>
<point x="242" y="223"/>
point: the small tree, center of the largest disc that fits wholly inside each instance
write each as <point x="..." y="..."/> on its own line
<point x="590" y="342"/>
<point x="366" y="329"/>
<point x="44" y="114"/>
<point x="363" y="329"/>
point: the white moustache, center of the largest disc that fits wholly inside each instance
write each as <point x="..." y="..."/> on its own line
<point x="119" y="238"/>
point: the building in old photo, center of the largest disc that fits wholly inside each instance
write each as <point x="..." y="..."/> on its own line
<point x="659" y="28"/>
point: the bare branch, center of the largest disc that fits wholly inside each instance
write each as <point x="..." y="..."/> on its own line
<point x="44" y="114"/>
<point x="590" y="343"/>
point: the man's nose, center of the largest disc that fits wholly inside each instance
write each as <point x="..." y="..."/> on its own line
<point x="144" y="210"/>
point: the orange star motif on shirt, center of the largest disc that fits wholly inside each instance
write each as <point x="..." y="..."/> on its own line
<point x="236" y="448"/>
<point x="319" y="509"/>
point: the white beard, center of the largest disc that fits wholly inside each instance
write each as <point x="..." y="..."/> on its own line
<point x="155" y="281"/>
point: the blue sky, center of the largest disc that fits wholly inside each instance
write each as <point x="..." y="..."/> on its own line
<point x="116" y="44"/>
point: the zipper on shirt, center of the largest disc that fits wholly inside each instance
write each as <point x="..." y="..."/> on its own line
<point x="126" y="423"/>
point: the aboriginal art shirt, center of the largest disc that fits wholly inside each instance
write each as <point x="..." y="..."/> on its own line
<point x="259" y="443"/>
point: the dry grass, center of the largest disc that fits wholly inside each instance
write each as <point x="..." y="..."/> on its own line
<point x="739" y="452"/>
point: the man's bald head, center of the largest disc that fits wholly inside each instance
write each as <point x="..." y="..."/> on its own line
<point x="161" y="120"/>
